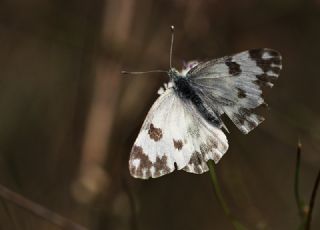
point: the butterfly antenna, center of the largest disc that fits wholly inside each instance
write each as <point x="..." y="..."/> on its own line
<point x="144" y="72"/>
<point x="171" y="46"/>
<point x="156" y="71"/>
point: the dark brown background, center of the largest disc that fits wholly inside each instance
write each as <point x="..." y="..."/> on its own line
<point x="68" y="119"/>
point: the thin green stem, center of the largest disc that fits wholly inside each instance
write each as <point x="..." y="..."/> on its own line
<point x="299" y="201"/>
<point x="217" y="188"/>
<point x="236" y="224"/>
<point x="312" y="200"/>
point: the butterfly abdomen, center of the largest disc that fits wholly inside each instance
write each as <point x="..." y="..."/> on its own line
<point x="185" y="91"/>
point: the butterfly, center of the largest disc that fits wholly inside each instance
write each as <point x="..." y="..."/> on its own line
<point x="184" y="129"/>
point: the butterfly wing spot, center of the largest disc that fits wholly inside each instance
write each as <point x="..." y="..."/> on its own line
<point x="208" y="146"/>
<point x="209" y="149"/>
<point x="234" y="67"/>
<point x="265" y="80"/>
<point x="196" y="158"/>
<point x="212" y="148"/>
<point x="161" y="166"/>
<point x="246" y="120"/>
<point x="197" y="164"/>
<point x="269" y="53"/>
<point x="155" y="133"/>
<point x="178" y="144"/>
<point x="139" y="163"/>
<point x="241" y="93"/>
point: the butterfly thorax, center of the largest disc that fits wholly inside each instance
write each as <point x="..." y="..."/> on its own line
<point x="184" y="89"/>
<point x="173" y="74"/>
<point x="182" y="86"/>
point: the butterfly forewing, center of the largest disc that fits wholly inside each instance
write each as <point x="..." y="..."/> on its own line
<point x="233" y="84"/>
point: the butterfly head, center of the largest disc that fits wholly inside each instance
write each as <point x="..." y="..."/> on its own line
<point x="173" y="74"/>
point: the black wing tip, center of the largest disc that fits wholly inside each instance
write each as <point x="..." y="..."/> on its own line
<point x="259" y="52"/>
<point x="269" y="61"/>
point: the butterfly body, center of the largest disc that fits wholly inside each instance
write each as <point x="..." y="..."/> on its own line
<point x="183" y="129"/>
<point x="183" y="88"/>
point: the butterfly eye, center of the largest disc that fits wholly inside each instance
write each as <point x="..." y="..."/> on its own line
<point x="191" y="64"/>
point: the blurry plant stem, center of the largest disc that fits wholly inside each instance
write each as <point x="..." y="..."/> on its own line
<point x="134" y="221"/>
<point x="300" y="204"/>
<point x="9" y="213"/>
<point x="305" y="212"/>
<point x="236" y="224"/>
<point x="312" y="200"/>
<point x="38" y="210"/>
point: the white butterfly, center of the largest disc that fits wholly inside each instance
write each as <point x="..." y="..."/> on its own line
<point x="183" y="129"/>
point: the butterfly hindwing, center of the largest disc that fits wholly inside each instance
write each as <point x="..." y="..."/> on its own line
<point x="233" y="85"/>
<point x="174" y="135"/>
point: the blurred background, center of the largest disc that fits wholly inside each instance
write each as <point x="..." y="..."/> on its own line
<point x="68" y="118"/>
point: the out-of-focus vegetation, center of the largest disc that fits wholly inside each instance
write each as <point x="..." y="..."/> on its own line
<point x="68" y="118"/>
